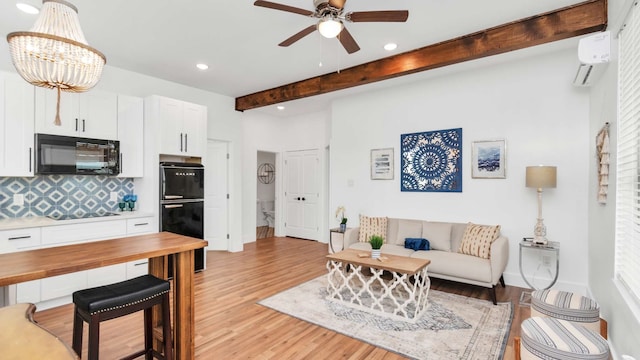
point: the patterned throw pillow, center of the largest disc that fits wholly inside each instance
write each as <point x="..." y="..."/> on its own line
<point x="372" y="226"/>
<point x="477" y="240"/>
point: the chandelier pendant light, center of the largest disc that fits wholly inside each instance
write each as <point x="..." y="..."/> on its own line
<point x="55" y="53"/>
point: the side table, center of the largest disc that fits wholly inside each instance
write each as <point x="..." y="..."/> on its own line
<point x="549" y="253"/>
<point x="336" y="240"/>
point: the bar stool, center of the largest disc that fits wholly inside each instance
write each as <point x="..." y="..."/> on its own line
<point x="111" y="301"/>
<point x="568" y="306"/>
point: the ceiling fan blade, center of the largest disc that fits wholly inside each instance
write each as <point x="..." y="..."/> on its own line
<point x="338" y="4"/>
<point x="347" y="41"/>
<point x="298" y="36"/>
<point x="287" y="8"/>
<point x="378" y="16"/>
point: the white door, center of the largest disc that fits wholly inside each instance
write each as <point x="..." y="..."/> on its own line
<point x="216" y="225"/>
<point x="302" y="194"/>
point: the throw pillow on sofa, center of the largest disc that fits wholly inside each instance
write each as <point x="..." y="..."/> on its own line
<point x="372" y="226"/>
<point x="416" y="244"/>
<point x="477" y="240"/>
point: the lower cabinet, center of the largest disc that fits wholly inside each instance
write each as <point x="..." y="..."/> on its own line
<point x="57" y="290"/>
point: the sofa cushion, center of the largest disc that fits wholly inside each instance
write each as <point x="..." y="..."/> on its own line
<point x="456" y="265"/>
<point x="406" y="229"/>
<point x="372" y="226"/>
<point x="477" y="240"/>
<point x="438" y="234"/>
<point x="457" y="231"/>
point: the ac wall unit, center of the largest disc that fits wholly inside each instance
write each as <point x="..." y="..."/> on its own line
<point x="594" y="53"/>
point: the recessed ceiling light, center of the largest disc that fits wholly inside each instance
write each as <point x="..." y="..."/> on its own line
<point x="202" y="66"/>
<point x="390" y="46"/>
<point x="280" y="107"/>
<point x="29" y="9"/>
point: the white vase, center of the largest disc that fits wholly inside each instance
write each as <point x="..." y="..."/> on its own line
<point x="375" y="253"/>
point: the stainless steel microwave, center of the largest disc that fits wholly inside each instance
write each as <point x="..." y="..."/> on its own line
<point x="73" y="155"/>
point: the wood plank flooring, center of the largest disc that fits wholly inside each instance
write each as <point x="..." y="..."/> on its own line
<point x="263" y="232"/>
<point x="229" y="323"/>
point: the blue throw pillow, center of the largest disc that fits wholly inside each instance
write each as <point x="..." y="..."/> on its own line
<point x="416" y="244"/>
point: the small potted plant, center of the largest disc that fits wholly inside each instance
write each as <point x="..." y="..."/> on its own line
<point x="343" y="220"/>
<point x="376" y="242"/>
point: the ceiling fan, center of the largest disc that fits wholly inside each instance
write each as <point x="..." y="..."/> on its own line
<point x="332" y="17"/>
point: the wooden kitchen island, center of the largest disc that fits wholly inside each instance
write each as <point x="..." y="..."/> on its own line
<point x="37" y="264"/>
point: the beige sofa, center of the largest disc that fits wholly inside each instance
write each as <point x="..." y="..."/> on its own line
<point x="446" y="262"/>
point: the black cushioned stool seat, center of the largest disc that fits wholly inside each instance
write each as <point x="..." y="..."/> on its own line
<point x="111" y="301"/>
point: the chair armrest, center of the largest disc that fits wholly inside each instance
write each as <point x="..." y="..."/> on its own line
<point x="351" y="236"/>
<point x="499" y="258"/>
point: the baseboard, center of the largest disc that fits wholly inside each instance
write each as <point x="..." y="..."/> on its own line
<point x="515" y="279"/>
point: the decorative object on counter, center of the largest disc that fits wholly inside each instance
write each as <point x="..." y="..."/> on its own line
<point x="55" y="53"/>
<point x="376" y="242"/>
<point x="431" y="161"/>
<point x="129" y="201"/>
<point x="266" y="173"/>
<point x="489" y="159"/>
<point x="602" y="147"/>
<point x="540" y="177"/>
<point x="382" y="164"/>
<point x="340" y="211"/>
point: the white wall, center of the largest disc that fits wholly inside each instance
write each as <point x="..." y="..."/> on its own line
<point x="265" y="133"/>
<point x="530" y="103"/>
<point x="624" y="324"/>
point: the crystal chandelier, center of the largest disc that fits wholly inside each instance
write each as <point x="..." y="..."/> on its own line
<point x="55" y="53"/>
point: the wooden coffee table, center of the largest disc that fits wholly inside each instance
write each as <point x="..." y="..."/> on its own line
<point x="356" y="280"/>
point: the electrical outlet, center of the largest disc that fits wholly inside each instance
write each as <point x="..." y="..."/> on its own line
<point x="113" y="196"/>
<point x="18" y="199"/>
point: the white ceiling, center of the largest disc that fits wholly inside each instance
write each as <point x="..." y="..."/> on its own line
<point x="239" y="41"/>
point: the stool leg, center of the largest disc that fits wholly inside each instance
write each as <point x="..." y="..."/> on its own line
<point x="77" y="332"/>
<point x="148" y="334"/>
<point x="94" y="337"/>
<point x="166" y="327"/>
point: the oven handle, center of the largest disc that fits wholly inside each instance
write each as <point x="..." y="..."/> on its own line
<point x="173" y="206"/>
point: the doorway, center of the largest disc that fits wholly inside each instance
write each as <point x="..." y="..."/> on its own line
<point x="265" y="194"/>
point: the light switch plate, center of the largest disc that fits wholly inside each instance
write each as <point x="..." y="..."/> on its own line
<point x="113" y="196"/>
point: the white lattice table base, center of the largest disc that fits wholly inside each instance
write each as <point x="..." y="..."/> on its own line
<point x="403" y="297"/>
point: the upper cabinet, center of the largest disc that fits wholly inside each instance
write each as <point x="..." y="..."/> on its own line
<point x="130" y="135"/>
<point x="183" y="127"/>
<point x="92" y="114"/>
<point x="16" y="126"/>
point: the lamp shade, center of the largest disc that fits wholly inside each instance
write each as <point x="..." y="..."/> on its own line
<point x="541" y="177"/>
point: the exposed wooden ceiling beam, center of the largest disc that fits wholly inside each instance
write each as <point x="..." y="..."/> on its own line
<point x="575" y="20"/>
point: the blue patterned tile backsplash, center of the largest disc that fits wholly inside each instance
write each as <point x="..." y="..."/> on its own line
<point x="57" y="195"/>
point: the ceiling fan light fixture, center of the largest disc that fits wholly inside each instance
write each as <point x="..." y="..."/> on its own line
<point x="329" y="27"/>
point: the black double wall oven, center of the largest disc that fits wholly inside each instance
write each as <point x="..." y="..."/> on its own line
<point x="182" y="203"/>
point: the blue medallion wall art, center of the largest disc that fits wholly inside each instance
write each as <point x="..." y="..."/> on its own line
<point x="432" y="161"/>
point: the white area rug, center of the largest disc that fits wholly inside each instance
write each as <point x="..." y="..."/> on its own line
<point x="454" y="326"/>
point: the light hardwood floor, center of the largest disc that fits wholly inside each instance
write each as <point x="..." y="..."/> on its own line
<point x="229" y="323"/>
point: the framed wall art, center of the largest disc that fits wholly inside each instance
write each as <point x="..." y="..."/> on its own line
<point x="489" y="159"/>
<point x="432" y="161"/>
<point x="382" y="164"/>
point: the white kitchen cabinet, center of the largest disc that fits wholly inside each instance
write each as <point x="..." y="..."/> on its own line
<point x="183" y="126"/>
<point x="16" y="126"/>
<point x="20" y="240"/>
<point x="130" y="135"/>
<point x="144" y="225"/>
<point x="92" y="114"/>
<point x="65" y="285"/>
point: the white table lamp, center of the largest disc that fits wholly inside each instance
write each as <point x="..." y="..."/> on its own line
<point x="540" y="177"/>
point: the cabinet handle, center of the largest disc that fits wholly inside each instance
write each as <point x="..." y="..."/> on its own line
<point x="30" y="150"/>
<point x="76" y="124"/>
<point x="186" y="142"/>
<point x="141" y="224"/>
<point x="142" y="263"/>
<point x="180" y="142"/>
<point x="303" y="199"/>
<point x="121" y="164"/>
<point x="20" y="237"/>
<point x="82" y="125"/>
